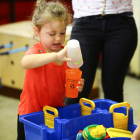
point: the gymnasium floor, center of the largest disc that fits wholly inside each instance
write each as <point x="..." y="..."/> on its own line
<point x="8" y="107"/>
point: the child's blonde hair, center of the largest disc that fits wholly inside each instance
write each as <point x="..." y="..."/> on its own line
<point x="46" y="12"/>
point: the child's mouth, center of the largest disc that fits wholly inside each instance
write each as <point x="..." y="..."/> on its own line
<point x="56" y="44"/>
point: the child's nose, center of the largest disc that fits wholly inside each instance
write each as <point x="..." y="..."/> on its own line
<point x="58" y="37"/>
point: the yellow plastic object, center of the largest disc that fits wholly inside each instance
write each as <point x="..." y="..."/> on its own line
<point x="85" y="110"/>
<point x="119" y="119"/>
<point x="97" y="131"/>
<point x="94" y="132"/>
<point x="49" y="118"/>
<point x="114" y="132"/>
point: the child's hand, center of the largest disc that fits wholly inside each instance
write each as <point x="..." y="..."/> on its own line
<point x="62" y="55"/>
<point x="81" y="82"/>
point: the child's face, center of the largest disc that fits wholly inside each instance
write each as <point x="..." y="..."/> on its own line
<point x="52" y="35"/>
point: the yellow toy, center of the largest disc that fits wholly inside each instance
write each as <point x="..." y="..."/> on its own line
<point x="49" y="118"/>
<point x="86" y="110"/>
<point x="94" y="132"/>
<point x="114" y="132"/>
<point x="119" y="119"/>
<point x="97" y="131"/>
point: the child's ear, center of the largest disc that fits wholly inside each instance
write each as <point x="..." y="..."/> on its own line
<point x="36" y="30"/>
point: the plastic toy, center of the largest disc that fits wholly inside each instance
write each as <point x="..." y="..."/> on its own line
<point x="114" y="132"/>
<point x="86" y="110"/>
<point x="49" y="118"/>
<point x="119" y="119"/>
<point x="73" y="75"/>
<point x="99" y="133"/>
<point x="94" y="132"/>
<point x="72" y="78"/>
<point x="80" y="136"/>
<point x="74" y="52"/>
<point x="70" y="120"/>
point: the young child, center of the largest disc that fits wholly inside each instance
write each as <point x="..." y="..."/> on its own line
<point x="44" y="63"/>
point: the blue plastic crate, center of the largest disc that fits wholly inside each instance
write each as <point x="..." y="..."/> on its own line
<point x="70" y="121"/>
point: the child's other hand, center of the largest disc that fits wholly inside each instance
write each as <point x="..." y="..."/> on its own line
<point x="62" y="55"/>
<point x="81" y="82"/>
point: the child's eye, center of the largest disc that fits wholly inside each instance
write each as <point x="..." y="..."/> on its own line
<point x="52" y="34"/>
<point x="63" y="33"/>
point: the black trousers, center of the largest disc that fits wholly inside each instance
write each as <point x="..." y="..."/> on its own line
<point x="115" y="37"/>
<point x="20" y="130"/>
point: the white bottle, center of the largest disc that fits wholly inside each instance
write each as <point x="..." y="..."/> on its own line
<point x="74" y="52"/>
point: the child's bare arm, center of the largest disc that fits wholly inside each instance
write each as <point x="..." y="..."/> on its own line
<point x="37" y="60"/>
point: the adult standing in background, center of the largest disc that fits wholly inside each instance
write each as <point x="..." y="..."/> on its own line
<point x="106" y="27"/>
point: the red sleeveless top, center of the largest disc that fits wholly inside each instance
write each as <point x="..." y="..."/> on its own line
<point x="43" y="85"/>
